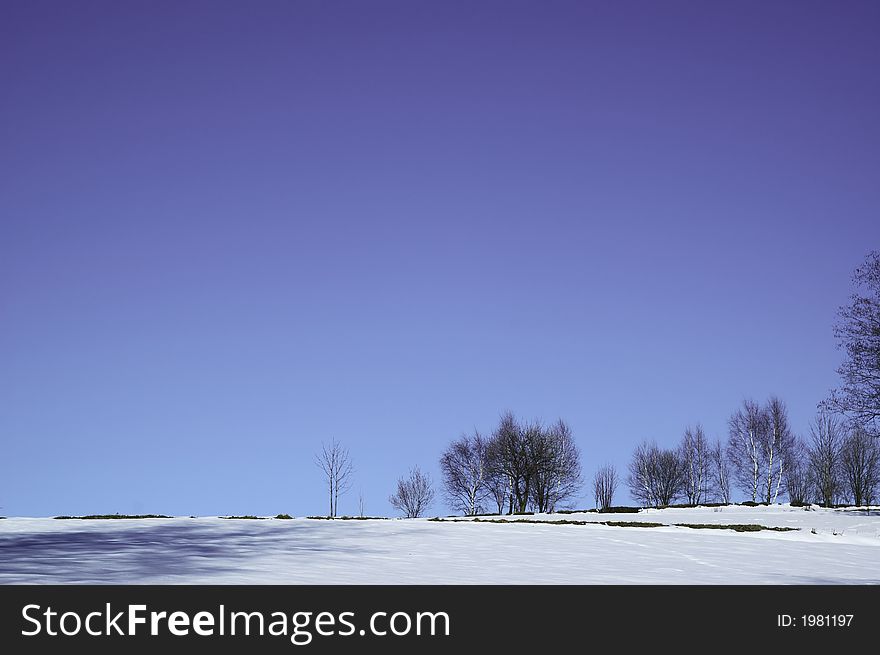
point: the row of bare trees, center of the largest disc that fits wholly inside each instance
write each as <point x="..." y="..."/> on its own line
<point x="521" y="466"/>
<point x="531" y="466"/>
<point x="763" y="458"/>
<point x="838" y="464"/>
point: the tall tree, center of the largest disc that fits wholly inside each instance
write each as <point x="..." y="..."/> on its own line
<point x="860" y="467"/>
<point x="465" y="469"/>
<point x="858" y="335"/>
<point x="512" y="459"/>
<point x="745" y="436"/>
<point x="557" y="467"/>
<point x="335" y="462"/>
<point x="776" y="443"/>
<point x="720" y="474"/>
<point x="825" y="450"/>
<point x="800" y="484"/>
<point x="693" y="452"/>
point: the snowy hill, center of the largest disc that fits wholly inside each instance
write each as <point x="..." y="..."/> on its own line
<point x="826" y="547"/>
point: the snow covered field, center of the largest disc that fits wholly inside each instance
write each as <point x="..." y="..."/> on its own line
<point x="829" y="547"/>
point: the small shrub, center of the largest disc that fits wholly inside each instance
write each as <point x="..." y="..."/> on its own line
<point x="284" y="516"/>
<point x="620" y="510"/>
<point x="248" y="517"/>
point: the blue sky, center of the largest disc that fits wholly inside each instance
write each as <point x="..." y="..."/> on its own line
<point x="229" y="232"/>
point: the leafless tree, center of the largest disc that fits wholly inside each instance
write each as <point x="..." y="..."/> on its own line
<point x="512" y="460"/>
<point x="656" y="476"/>
<point x="860" y="466"/>
<point x="604" y="485"/>
<point x="538" y="466"/>
<point x="746" y="433"/>
<point x="799" y="481"/>
<point x="720" y="474"/>
<point x="465" y="469"/>
<point x="335" y="462"/>
<point x="858" y="335"/>
<point x="499" y="488"/>
<point x="557" y="467"/>
<point x="775" y="448"/>
<point x="695" y="458"/>
<point x="361" y="503"/>
<point x="414" y="494"/>
<point x="825" y="456"/>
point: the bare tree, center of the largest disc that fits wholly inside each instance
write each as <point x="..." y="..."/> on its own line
<point x="799" y="481"/>
<point x="556" y="464"/>
<point x="466" y="471"/>
<point x="746" y="429"/>
<point x="858" y="335"/>
<point x="335" y="462"/>
<point x="414" y="494"/>
<point x="720" y="474"/>
<point x="512" y="459"/>
<point x="499" y="487"/>
<point x="694" y="455"/>
<point x="532" y="466"/>
<point x="775" y="447"/>
<point x="604" y="485"/>
<point x="860" y="466"/>
<point x="361" y="503"/>
<point x="825" y="457"/>
<point x="656" y="476"/>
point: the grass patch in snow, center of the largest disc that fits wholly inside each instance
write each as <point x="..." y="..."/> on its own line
<point x="116" y="516"/>
<point x="362" y="518"/>
<point x="619" y="509"/>
<point x="247" y="516"/>
<point x="737" y="527"/>
<point x="349" y="518"/>
<point x="621" y="524"/>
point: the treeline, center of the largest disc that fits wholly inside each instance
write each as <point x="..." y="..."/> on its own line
<point x="529" y="466"/>
<point x="838" y="463"/>
<point x="523" y="466"/>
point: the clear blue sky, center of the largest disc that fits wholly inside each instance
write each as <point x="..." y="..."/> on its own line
<point x="229" y="231"/>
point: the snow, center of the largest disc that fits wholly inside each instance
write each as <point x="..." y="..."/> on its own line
<point x="829" y="547"/>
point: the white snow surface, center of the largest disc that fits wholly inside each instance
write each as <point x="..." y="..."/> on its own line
<point x="829" y="547"/>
